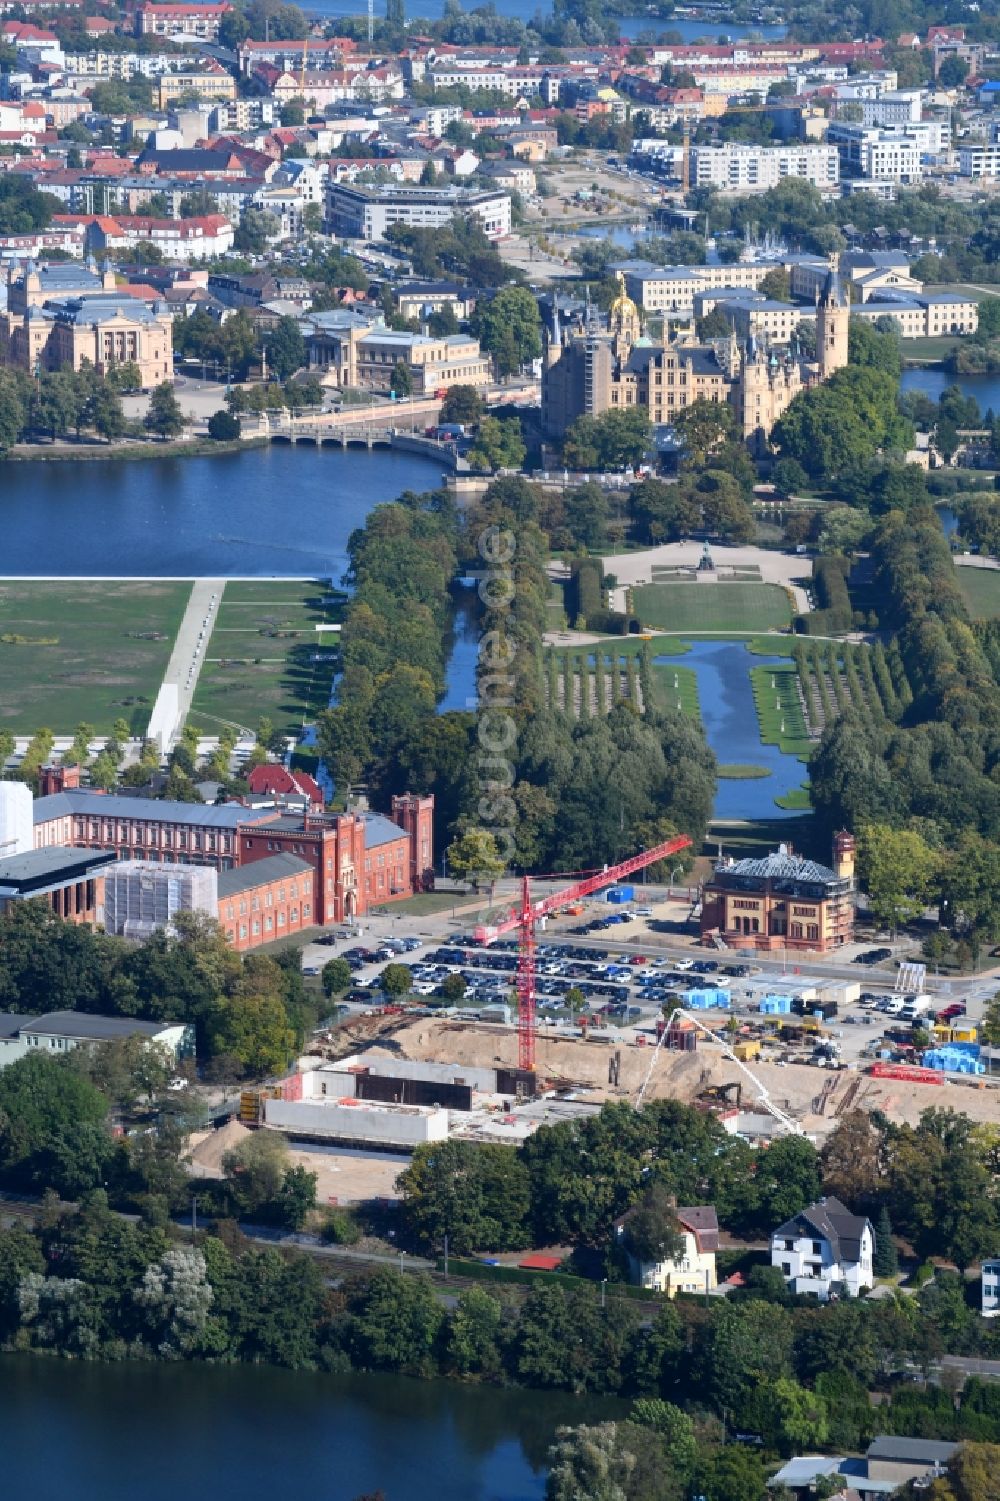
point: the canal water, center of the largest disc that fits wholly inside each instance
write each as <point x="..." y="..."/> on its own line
<point x="264" y="511"/>
<point x="731" y="728"/>
<point x="71" y="1431"/>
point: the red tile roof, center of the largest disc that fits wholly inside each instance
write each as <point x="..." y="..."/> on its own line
<point x="274" y="780"/>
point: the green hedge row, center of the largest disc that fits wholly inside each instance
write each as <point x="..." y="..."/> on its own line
<point x="481" y="1271"/>
<point x="585" y="592"/>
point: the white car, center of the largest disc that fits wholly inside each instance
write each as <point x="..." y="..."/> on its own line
<point x="684" y="964"/>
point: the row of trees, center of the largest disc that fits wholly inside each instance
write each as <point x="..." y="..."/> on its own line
<point x="90" y="1284"/>
<point x="250" y="1014"/>
<point x="67" y="403"/>
<point x="568" y="1184"/>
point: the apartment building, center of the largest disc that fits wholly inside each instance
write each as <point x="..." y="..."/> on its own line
<point x="199" y="239"/>
<point x="744" y="168"/>
<point x="201" y="21"/>
<point x="366" y="213"/>
<point x="979" y="160"/>
<point x="883" y="155"/>
<point x="209" y="82"/>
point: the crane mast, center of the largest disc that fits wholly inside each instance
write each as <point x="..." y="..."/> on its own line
<point x="528" y="913"/>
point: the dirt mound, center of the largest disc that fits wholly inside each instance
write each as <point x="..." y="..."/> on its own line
<point x="207" y="1148"/>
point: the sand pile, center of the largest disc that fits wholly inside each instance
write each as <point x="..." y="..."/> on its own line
<point x="206" y="1149"/>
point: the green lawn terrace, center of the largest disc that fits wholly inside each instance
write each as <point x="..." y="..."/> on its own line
<point x="266" y="657"/>
<point x="93" y="650"/>
<point x="677" y="600"/>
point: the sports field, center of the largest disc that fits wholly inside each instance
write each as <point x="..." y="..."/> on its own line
<point x="722" y="606"/>
<point x="265" y="656"/>
<point x="981" y="591"/>
<point x="84" y="649"/>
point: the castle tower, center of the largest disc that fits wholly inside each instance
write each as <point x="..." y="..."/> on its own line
<point x="753" y="394"/>
<point x="833" y="314"/>
<point x="625" y="322"/>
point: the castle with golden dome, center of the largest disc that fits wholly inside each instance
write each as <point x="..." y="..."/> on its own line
<point x="588" y="370"/>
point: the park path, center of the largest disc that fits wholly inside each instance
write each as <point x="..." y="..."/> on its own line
<point x="191" y="642"/>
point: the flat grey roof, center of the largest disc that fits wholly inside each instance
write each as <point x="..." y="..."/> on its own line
<point x="915" y="1450"/>
<point x="93" y="1028"/>
<point x="43" y="865"/>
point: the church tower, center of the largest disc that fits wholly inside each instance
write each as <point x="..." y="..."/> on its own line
<point x="833" y="313"/>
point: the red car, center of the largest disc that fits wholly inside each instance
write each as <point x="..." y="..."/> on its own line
<point x="638" y="959"/>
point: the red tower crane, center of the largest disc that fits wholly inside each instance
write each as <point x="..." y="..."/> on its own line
<point x="523" y="920"/>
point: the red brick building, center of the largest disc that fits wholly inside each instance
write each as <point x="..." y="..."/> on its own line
<point x="265" y="900"/>
<point x="359" y="860"/>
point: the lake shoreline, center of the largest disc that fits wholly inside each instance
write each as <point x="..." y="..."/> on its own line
<point x="61" y="453"/>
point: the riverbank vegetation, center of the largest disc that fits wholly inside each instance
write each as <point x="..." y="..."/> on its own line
<point x="86" y="1283"/>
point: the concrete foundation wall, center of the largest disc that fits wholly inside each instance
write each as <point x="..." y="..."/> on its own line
<point x="406" y="1126"/>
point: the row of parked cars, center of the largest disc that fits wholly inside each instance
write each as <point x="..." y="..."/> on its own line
<point x="872" y="956"/>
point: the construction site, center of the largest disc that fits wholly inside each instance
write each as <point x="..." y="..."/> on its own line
<point x="762" y="1050"/>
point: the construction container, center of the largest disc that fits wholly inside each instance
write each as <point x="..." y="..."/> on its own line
<point x="956" y="1058"/>
<point x="619" y="895"/>
<point x="843" y="992"/>
<point x="775" y="1005"/>
<point x="747" y="1050"/>
<point x="711" y="998"/>
<point x="680" y="1038"/>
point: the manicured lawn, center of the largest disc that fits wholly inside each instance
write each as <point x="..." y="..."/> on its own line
<point x="265" y="656"/>
<point x="922" y="350"/>
<point x="677" y="688"/>
<point x="739" y="771"/>
<point x="93" y="649"/>
<point x="724" y="606"/>
<point x="981" y="590"/>
<point x="779" y="708"/>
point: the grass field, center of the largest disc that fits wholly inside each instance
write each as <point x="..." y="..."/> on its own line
<point x="723" y="606"/>
<point x="926" y="350"/>
<point x="981" y="591"/>
<point x="91" y="649"/>
<point x="265" y="656"/>
<point x="779" y="708"/>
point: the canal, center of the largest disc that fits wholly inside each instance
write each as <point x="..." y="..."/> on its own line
<point x="728" y="714"/>
<point x="74" y="1431"/>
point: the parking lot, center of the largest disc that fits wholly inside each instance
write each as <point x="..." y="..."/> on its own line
<point x="620" y="972"/>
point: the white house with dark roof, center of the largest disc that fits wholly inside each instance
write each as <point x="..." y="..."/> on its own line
<point x="826" y="1250"/>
